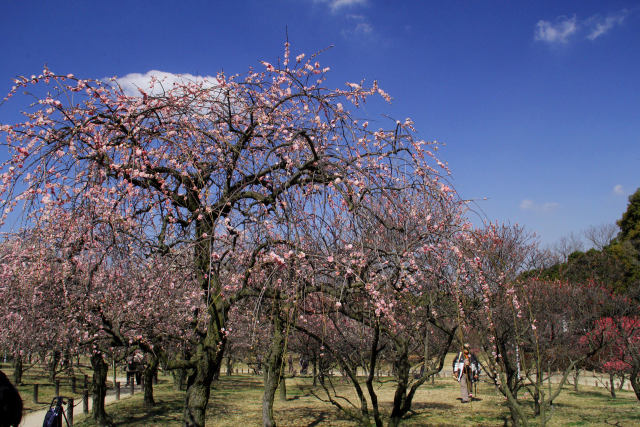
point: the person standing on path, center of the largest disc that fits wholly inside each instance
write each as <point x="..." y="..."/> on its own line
<point x="466" y="369"/>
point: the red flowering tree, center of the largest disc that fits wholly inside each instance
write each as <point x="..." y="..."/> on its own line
<point x="621" y="354"/>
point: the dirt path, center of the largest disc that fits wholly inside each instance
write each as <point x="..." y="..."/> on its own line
<point x="36" y="418"/>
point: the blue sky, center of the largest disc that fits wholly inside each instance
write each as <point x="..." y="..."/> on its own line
<point x="538" y="102"/>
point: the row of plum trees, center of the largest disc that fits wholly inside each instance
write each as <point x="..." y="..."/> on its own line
<point x="199" y="219"/>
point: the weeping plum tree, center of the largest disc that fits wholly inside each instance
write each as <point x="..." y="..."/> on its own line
<point x="203" y="165"/>
<point x="381" y="277"/>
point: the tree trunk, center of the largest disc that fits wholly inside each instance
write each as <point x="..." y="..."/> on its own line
<point x="207" y="360"/>
<point x="622" y="378"/>
<point x="536" y="394"/>
<point x="17" y="371"/>
<point x="323" y="369"/>
<point x="509" y="390"/>
<point x="635" y="382"/>
<point x="179" y="379"/>
<point x="53" y="365"/>
<point x="373" y="360"/>
<point x="99" y="389"/>
<point x="612" y="386"/>
<point x="229" y="366"/>
<point x="273" y="366"/>
<point x="576" y="378"/>
<point x="536" y="402"/>
<point x="315" y="371"/>
<point x="515" y="416"/>
<point x="402" y="366"/>
<point x="150" y="370"/>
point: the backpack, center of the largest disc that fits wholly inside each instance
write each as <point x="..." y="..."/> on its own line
<point x="53" y="417"/>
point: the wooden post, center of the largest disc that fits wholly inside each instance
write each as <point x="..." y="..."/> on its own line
<point x="85" y="401"/>
<point x="70" y="411"/>
<point x="57" y="388"/>
<point x="131" y="385"/>
<point x="118" y="390"/>
<point x="73" y="384"/>
<point x="35" y="393"/>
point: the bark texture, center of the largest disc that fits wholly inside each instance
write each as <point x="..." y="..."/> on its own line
<point x="99" y="389"/>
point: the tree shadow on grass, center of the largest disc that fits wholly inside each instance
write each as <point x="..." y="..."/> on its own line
<point x="237" y="381"/>
<point x="430" y="406"/>
<point x="163" y="412"/>
<point x="312" y="417"/>
<point x="590" y="393"/>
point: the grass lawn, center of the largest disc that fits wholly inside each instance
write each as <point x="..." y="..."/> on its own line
<point x="236" y="401"/>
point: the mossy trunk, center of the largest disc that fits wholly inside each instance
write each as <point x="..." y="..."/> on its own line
<point x="150" y="371"/>
<point x="179" y="379"/>
<point x="207" y="358"/>
<point x="516" y="412"/>
<point x="99" y="389"/>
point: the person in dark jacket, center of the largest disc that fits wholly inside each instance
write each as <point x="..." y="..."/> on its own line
<point x="10" y="403"/>
<point x="466" y="369"/>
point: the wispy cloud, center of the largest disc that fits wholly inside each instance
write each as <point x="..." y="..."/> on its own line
<point x="336" y="5"/>
<point x="600" y="26"/>
<point x="618" y="189"/>
<point x="530" y="205"/>
<point x="563" y="29"/>
<point x="558" y="32"/>
<point x="155" y="82"/>
<point x="359" y="25"/>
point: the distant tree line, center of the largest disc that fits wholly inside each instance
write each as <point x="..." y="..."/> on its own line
<point x="614" y="263"/>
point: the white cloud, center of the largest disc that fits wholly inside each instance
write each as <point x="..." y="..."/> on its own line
<point x="600" y="26"/>
<point x="363" y="28"/>
<point x="164" y="81"/>
<point x="336" y="5"/>
<point x="558" y="32"/>
<point x="618" y="189"/>
<point x="359" y="26"/>
<point x="530" y="205"/>
<point x="526" y="204"/>
<point x="563" y="29"/>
